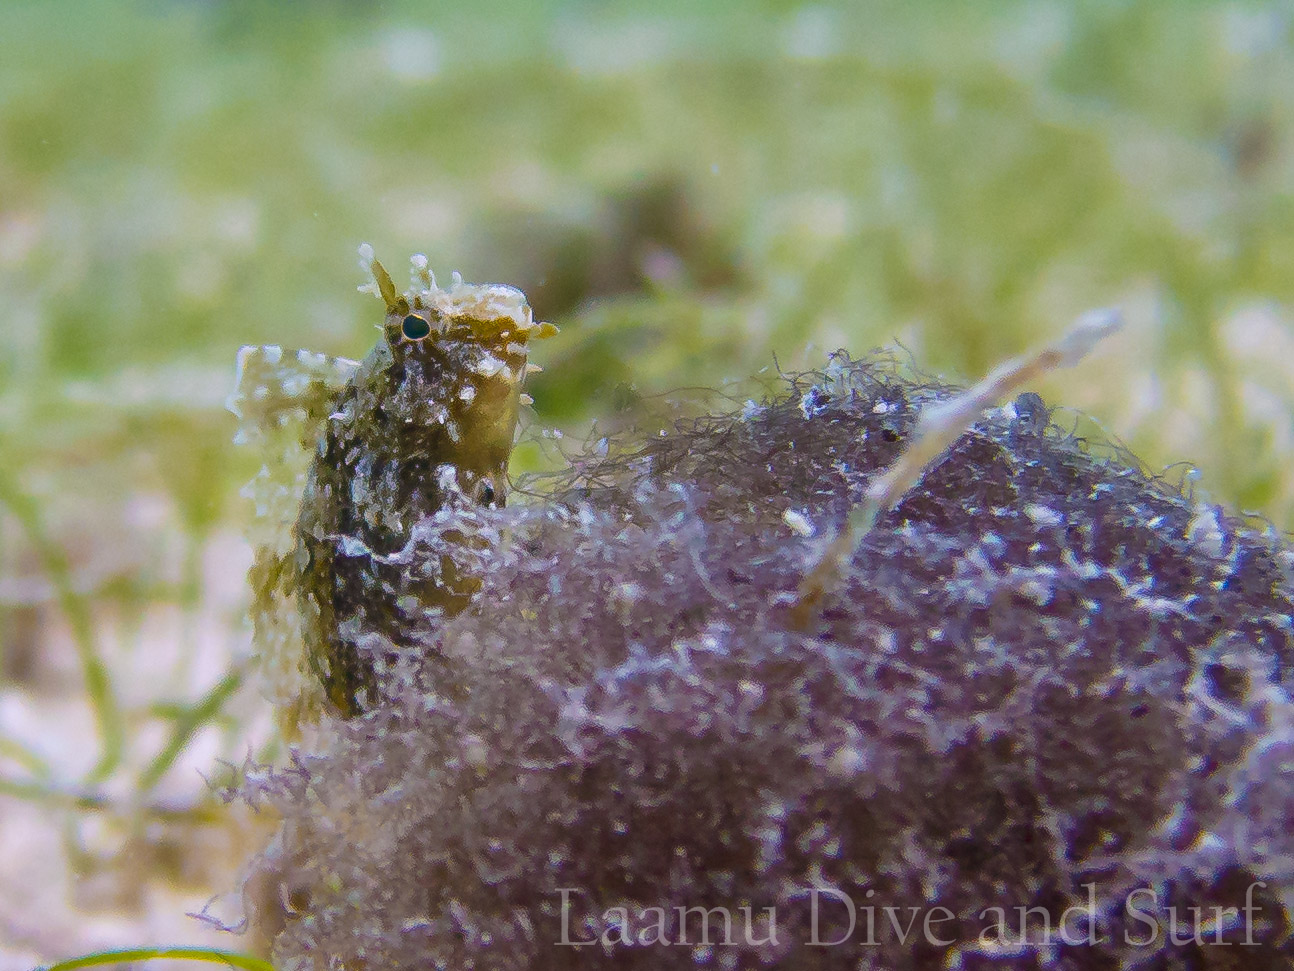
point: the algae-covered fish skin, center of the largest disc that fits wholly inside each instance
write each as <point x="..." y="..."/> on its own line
<point x="424" y="426"/>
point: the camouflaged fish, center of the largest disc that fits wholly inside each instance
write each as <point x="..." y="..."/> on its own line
<point x="405" y="448"/>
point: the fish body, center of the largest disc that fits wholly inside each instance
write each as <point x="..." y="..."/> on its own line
<point x="417" y="437"/>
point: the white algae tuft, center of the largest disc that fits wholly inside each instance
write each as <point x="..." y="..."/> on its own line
<point x="1044" y="680"/>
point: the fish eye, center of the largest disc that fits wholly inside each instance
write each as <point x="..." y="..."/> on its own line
<point x="414" y="328"/>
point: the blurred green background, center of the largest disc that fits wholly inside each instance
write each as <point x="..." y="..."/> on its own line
<point x="693" y="191"/>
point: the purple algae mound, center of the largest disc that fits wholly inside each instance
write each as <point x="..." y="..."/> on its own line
<point x="1050" y="684"/>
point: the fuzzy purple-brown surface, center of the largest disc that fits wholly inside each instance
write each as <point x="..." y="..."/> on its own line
<point x="1049" y="681"/>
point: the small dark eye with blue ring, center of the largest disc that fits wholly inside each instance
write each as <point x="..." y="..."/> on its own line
<point x="414" y="328"/>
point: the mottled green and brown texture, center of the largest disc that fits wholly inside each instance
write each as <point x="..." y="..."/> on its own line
<point x="422" y="428"/>
<point x="1043" y="669"/>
